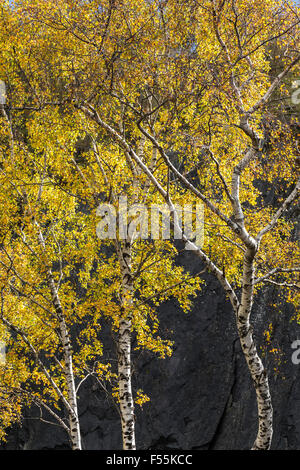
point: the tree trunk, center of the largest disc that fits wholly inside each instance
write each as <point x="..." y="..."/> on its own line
<point x="124" y="352"/>
<point x="74" y="426"/>
<point x="75" y="435"/>
<point x="257" y="370"/>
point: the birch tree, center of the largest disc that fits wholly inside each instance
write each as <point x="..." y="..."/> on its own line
<point x="127" y="287"/>
<point x="241" y="105"/>
<point x="41" y="242"/>
<point x="204" y="67"/>
<point x="244" y="110"/>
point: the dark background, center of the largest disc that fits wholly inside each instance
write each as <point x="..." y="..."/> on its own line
<point x="202" y="397"/>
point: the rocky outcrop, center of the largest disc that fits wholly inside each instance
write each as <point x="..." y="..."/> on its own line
<point x="202" y="397"/>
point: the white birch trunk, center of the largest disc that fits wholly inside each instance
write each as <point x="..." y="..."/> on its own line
<point x="75" y="435"/>
<point x="124" y="352"/>
<point x="255" y="365"/>
<point x="74" y="426"/>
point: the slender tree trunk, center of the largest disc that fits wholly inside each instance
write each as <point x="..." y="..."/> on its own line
<point x="124" y="352"/>
<point x="257" y="370"/>
<point x="75" y="435"/>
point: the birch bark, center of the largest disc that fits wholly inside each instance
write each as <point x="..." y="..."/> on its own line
<point x="75" y="434"/>
<point x="258" y="372"/>
<point x="124" y="351"/>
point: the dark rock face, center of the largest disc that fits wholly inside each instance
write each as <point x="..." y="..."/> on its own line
<point x="202" y="397"/>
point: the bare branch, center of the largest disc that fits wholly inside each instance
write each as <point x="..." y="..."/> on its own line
<point x="276" y="271"/>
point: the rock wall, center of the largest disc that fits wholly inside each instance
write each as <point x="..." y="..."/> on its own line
<point x="202" y="397"/>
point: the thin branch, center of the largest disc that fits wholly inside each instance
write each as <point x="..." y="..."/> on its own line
<point x="292" y="197"/>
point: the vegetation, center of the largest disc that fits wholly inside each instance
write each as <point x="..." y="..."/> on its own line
<point x="164" y="102"/>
